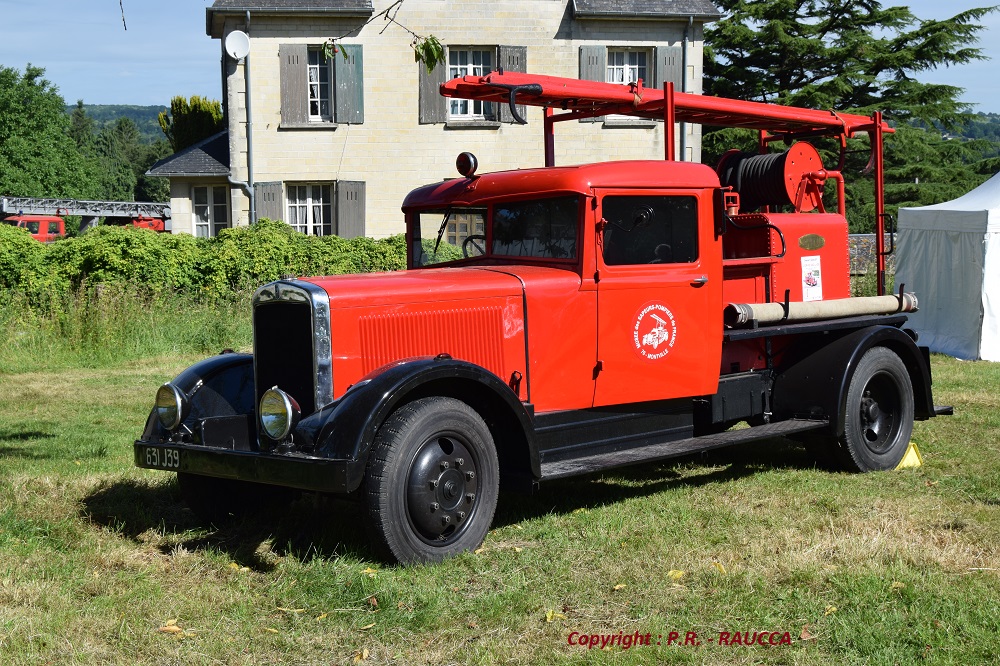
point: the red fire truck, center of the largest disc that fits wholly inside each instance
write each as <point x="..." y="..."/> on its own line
<point x="43" y="228"/>
<point x="557" y="321"/>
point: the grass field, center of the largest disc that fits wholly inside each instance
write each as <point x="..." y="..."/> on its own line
<point x="101" y="562"/>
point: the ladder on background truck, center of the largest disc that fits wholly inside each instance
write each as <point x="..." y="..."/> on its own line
<point x="89" y="211"/>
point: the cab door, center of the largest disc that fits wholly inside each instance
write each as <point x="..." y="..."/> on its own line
<point x="659" y="293"/>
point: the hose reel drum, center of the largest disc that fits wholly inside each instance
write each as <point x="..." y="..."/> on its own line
<point x="775" y="179"/>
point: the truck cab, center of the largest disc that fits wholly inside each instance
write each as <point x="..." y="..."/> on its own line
<point x="43" y="228"/>
<point x="606" y="254"/>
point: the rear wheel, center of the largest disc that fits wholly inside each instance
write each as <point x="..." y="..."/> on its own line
<point x="432" y="480"/>
<point x="879" y="413"/>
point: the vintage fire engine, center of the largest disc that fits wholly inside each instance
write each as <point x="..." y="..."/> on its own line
<point x="557" y="321"/>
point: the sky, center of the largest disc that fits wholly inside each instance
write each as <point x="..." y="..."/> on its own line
<point x="88" y="54"/>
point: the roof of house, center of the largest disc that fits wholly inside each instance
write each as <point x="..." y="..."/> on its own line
<point x="220" y="8"/>
<point x="208" y="157"/>
<point x="646" y="9"/>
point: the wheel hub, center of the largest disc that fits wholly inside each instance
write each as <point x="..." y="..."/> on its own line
<point x="879" y="405"/>
<point x="442" y="488"/>
<point x="870" y="410"/>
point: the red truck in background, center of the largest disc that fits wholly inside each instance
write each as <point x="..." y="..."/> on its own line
<point x="558" y="321"/>
<point x="43" y="228"/>
<point x="47" y="228"/>
<point x="140" y="214"/>
<point x="142" y="222"/>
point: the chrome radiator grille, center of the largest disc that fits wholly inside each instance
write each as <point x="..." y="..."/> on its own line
<point x="291" y="322"/>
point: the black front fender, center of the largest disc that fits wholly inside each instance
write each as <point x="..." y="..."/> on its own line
<point x="221" y="385"/>
<point x="814" y="383"/>
<point x="346" y="429"/>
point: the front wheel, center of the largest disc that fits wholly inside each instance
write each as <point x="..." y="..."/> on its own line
<point x="879" y="413"/>
<point x="432" y="481"/>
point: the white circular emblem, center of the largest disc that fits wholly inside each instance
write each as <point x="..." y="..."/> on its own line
<point x="654" y="331"/>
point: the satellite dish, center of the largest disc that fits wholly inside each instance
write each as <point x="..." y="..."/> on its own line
<point x="237" y="44"/>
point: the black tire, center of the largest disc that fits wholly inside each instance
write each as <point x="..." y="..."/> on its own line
<point x="879" y="413"/>
<point x="432" y="480"/>
<point x="220" y="501"/>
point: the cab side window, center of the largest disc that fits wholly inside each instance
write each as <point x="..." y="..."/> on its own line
<point x="650" y="230"/>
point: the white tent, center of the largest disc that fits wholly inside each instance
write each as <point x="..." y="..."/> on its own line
<point x="949" y="255"/>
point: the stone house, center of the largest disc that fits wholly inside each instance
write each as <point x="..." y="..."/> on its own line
<point x="337" y="144"/>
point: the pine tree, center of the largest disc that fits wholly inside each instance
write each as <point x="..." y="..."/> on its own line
<point x="116" y="147"/>
<point x="847" y="55"/>
<point x="81" y="127"/>
<point x="856" y="56"/>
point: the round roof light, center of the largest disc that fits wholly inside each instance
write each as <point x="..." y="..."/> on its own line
<point x="467" y="164"/>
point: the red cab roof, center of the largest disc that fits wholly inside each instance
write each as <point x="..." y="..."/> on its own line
<point x="531" y="183"/>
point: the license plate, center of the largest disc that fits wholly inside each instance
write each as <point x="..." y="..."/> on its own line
<point x="161" y="458"/>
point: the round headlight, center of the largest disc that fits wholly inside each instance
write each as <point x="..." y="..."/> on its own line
<point x="169" y="406"/>
<point x="279" y="413"/>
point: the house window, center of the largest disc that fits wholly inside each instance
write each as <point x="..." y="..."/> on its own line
<point x="211" y="210"/>
<point x="626" y="66"/>
<point x="319" y="86"/>
<point x="468" y="62"/>
<point x="320" y="93"/>
<point x="310" y="209"/>
<point x="463" y="225"/>
<point x="622" y="65"/>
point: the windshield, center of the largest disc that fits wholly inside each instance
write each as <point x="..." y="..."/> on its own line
<point x="539" y="228"/>
<point x="441" y="235"/>
<point x="31" y="225"/>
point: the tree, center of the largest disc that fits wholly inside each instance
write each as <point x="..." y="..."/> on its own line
<point x="191" y="121"/>
<point x="81" y="127"/>
<point x="856" y="56"/>
<point x="151" y="188"/>
<point x="116" y="146"/>
<point x="923" y="168"/>
<point x="840" y="54"/>
<point x="38" y="157"/>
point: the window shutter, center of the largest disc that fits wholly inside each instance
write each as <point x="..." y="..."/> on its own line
<point x="433" y="107"/>
<point x="513" y="59"/>
<point x="593" y="67"/>
<point x="348" y="73"/>
<point x="669" y="67"/>
<point x="267" y="200"/>
<point x="294" y="87"/>
<point x="350" y="208"/>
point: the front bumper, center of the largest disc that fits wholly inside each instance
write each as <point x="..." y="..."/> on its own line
<point x="293" y="470"/>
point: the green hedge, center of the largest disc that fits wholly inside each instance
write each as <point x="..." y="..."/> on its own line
<point x="237" y="259"/>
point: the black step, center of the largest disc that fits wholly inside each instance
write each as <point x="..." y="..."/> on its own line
<point x="593" y="463"/>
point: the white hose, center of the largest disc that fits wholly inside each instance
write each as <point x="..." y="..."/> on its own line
<point x="737" y="314"/>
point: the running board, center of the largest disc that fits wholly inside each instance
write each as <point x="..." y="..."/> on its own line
<point x="597" y="462"/>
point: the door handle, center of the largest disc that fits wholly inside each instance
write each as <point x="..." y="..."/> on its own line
<point x="698" y="282"/>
